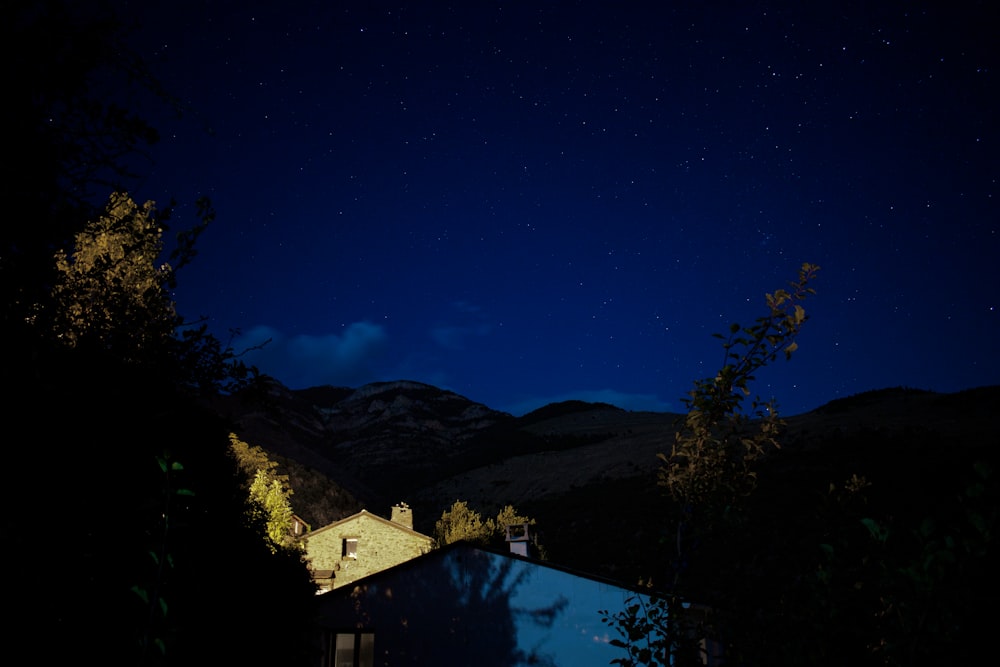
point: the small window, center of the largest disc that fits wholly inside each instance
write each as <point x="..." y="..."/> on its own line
<point x="354" y="649"/>
<point x="349" y="548"/>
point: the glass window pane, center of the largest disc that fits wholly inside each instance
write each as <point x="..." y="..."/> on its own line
<point x="367" y="651"/>
<point x="344" y="651"/>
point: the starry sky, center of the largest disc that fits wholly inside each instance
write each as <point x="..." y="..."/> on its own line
<point x="531" y="201"/>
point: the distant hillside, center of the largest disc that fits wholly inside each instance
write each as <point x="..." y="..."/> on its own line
<point x="563" y="408"/>
<point x="587" y="471"/>
<point x="377" y="443"/>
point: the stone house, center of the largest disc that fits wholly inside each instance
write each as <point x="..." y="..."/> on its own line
<point x="362" y="544"/>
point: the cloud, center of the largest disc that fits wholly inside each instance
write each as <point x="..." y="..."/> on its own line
<point x="453" y="337"/>
<point x="626" y="401"/>
<point x="470" y="322"/>
<point x="345" y="359"/>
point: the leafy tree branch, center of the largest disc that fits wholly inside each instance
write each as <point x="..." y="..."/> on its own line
<point x="709" y="469"/>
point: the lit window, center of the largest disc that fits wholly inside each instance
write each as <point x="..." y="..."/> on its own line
<point x="353" y="649"/>
<point x="349" y="548"/>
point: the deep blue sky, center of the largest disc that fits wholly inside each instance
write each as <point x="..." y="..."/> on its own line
<point x="529" y="202"/>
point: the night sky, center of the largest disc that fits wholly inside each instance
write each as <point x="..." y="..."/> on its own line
<point x="530" y="202"/>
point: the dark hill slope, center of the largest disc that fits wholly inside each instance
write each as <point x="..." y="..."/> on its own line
<point x="587" y="471"/>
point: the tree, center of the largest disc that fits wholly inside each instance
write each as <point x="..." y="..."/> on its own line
<point x="112" y="290"/>
<point x="463" y="523"/>
<point x="134" y="473"/>
<point x="112" y="296"/>
<point x="269" y="503"/>
<point x="268" y="494"/>
<point x="710" y="465"/>
<point x="709" y="470"/>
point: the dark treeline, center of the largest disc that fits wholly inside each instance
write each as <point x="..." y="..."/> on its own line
<point x="130" y="540"/>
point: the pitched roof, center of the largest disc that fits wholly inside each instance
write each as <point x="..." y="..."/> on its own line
<point x="366" y="513"/>
<point x="462" y="545"/>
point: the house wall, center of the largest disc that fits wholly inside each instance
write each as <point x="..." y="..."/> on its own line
<point x="380" y="545"/>
<point x="465" y="606"/>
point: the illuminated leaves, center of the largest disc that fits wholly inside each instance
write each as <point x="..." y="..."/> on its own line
<point x="268" y="494"/>
<point x="460" y="522"/>
<point x="712" y="455"/>
<point x="111" y="289"/>
<point x="269" y="504"/>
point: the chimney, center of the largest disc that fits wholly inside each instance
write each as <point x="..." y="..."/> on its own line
<point x="402" y="515"/>
<point x="518" y="538"/>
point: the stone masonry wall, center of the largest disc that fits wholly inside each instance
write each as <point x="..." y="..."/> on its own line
<point x="380" y="545"/>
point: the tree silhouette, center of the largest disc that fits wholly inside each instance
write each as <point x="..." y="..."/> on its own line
<point x="132" y="544"/>
<point x="707" y="474"/>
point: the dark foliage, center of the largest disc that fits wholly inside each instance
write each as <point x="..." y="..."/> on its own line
<point x="121" y="534"/>
<point x="129" y="541"/>
<point x="891" y="568"/>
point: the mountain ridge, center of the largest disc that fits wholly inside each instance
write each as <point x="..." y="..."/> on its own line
<point x="408" y="441"/>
